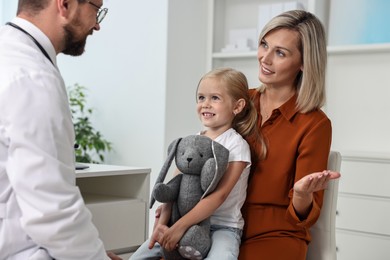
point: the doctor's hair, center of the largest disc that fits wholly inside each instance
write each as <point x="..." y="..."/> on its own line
<point x="33" y="7"/>
<point x="236" y="85"/>
<point x="310" y="82"/>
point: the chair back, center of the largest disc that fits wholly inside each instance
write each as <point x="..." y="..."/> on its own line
<point x="323" y="232"/>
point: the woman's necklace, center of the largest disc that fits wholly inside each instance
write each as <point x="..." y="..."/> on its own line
<point x="267" y="106"/>
<point x="263" y="108"/>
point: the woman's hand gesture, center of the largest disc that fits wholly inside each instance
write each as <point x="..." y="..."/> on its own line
<point x="304" y="188"/>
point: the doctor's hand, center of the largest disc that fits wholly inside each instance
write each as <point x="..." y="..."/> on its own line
<point x="113" y="256"/>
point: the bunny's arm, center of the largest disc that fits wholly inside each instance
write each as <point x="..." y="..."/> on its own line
<point x="214" y="168"/>
<point x="167" y="192"/>
<point x="208" y="173"/>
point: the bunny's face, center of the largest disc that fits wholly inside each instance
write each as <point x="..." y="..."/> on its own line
<point x="192" y="153"/>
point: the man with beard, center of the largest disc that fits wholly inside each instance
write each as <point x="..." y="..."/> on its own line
<point x="42" y="214"/>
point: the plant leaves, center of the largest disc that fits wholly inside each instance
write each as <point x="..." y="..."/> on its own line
<point x="91" y="142"/>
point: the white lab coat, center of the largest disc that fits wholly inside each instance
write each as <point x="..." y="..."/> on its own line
<point x="42" y="213"/>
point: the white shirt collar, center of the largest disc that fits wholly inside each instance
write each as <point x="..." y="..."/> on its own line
<point x="39" y="36"/>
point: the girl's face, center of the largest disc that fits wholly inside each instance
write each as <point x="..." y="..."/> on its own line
<point x="215" y="107"/>
<point x="279" y="58"/>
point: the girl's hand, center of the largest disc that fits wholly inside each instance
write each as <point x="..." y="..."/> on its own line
<point x="158" y="232"/>
<point x="162" y="215"/>
<point x="157" y="215"/>
<point x="171" y="237"/>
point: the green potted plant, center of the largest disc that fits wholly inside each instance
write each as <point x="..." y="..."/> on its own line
<point x="90" y="144"/>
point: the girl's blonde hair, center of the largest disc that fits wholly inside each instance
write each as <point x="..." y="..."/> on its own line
<point x="310" y="83"/>
<point x="236" y="86"/>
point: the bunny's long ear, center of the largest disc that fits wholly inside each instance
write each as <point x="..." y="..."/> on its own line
<point x="221" y="156"/>
<point x="164" y="170"/>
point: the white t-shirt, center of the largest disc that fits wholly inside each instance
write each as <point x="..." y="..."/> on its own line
<point x="229" y="213"/>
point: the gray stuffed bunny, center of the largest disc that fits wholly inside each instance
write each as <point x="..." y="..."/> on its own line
<point x="202" y="162"/>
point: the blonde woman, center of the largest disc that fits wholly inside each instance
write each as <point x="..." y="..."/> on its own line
<point x="288" y="170"/>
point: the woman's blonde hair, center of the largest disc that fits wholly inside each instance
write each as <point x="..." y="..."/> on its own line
<point x="236" y="86"/>
<point x="310" y="83"/>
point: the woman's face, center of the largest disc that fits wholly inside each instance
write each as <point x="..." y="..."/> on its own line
<point x="279" y="58"/>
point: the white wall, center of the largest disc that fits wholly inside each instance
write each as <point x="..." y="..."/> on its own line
<point x="1" y="12"/>
<point x="358" y="101"/>
<point x="124" y="67"/>
<point x="7" y="10"/>
<point x="187" y="25"/>
<point x="142" y="69"/>
<point x="357" y="79"/>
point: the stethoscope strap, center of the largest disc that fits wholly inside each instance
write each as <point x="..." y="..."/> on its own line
<point x="33" y="39"/>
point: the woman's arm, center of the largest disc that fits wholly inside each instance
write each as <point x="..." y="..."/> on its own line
<point x="311" y="176"/>
<point x="304" y="188"/>
<point x="205" y="207"/>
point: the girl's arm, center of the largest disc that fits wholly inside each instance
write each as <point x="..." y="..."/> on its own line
<point x="163" y="214"/>
<point x="205" y="207"/>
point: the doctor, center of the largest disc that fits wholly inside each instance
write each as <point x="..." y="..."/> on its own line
<point x="42" y="214"/>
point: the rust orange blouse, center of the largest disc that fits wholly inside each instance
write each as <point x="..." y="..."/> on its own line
<point x="298" y="144"/>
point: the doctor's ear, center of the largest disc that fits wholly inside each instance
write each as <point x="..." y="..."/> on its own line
<point x="64" y="6"/>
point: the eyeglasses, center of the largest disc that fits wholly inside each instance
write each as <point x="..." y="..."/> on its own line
<point x="101" y="12"/>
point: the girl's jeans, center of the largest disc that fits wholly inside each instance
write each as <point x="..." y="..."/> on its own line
<point x="225" y="245"/>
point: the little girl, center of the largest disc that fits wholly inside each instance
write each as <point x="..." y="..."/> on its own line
<point x="225" y="110"/>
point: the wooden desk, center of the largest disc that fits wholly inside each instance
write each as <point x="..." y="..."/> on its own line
<point x="118" y="198"/>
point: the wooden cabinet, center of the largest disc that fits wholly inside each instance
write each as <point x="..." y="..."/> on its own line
<point x="118" y="198"/>
<point x="363" y="207"/>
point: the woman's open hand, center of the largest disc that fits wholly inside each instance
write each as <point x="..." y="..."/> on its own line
<point x="314" y="182"/>
<point x="304" y="188"/>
